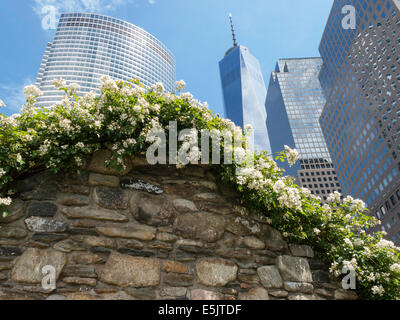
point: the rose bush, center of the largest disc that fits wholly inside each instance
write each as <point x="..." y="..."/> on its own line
<point x="123" y="118"/>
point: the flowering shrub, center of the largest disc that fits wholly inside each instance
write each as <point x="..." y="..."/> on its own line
<point x="125" y="117"/>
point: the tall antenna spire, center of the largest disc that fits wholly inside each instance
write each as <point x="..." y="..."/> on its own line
<point x="233" y="31"/>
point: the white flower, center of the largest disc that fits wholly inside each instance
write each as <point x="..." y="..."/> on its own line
<point x="334" y="197"/>
<point x="358" y="242"/>
<point x="2" y="104"/>
<point x="186" y="96"/>
<point x="19" y="158"/>
<point x="348" y="242"/>
<point x="137" y="109"/>
<point x="180" y="85"/>
<point x="158" y="88"/>
<point x="2" y="172"/>
<point x="378" y="290"/>
<point x="278" y="186"/>
<point x="59" y="83"/>
<point x="395" y="267"/>
<point x="240" y="155"/>
<point x="292" y="155"/>
<point x="317" y="231"/>
<point x="32" y="92"/>
<point x="5" y="201"/>
<point x="108" y="83"/>
<point x="73" y="87"/>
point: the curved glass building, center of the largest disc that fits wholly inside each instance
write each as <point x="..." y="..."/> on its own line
<point x="87" y="46"/>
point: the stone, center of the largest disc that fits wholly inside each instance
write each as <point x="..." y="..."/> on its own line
<point x="238" y="253"/>
<point x="257" y="293"/>
<point x="6" y="294"/>
<point x="266" y="261"/>
<point x="273" y="238"/>
<point x="87" y="258"/>
<point x="136" y="253"/>
<point x="83" y="296"/>
<point x="342" y="294"/>
<point x="150" y="209"/>
<point x="191" y="243"/>
<point x="249" y="278"/>
<point x="80" y="281"/>
<point x="49" y="237"/>
<point x="301" y="251"/>
<point x="218" y="208"/>
<point x="79" y="270"/>
<point x="96" y="179"/>
<point x="139" y="185"/>
<point x="138" y="232"/>
<point x="209" y="197"/>
<point x="74" y="200"/>
<point x="131" y="244"/>
<point x="183" y="205"/>
<point x="99" y="159"/>
<point x="142" y="293"/>
<point x="173" y="292"/>
<point x="15" y="212"/>
<point x="67" y="246"/>
<point x="178" y="279"/>
<point x="83" y="231"/>
<point x="83" y="190"/>
<point x="242" y="227"/>
<point x="166" y="237"/>
<point x="200" y="226"/>
<point x="320" y="276"/>
<point x="298" y="287"/>
<point x="197" y="184"/>
<point x="161" y="245"/>
<point x="253" y="243"/>
<point x="56" y="297"/>
<point x="127" y="271"/>
<point x="300" y="297"/>
<point x="94" y="214"/>
<point x="13" y="232"/>
<point x="294" y="269"/>
<point x="270" y="277"/>
<point x="216" y="272"/>
<point x="42" y="209"/>
<point x="28" y="267"/>
<point x="204" y="295"/>
<point x="39" y="224"/>
<point x="278" y="293"/>
<point x="174" y="267"/>
<point x="111" y="198"/>
<point x="99" y="242"/>
<point x="325" y="293"/>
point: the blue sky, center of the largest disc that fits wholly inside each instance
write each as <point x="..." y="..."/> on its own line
<point x="196" y="31"/>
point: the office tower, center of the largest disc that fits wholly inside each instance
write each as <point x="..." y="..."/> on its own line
<point x="87" y="46"/>
<point x="294" y="104"/>
<point x="244" y="92"/>
<point x="361" y="118"/>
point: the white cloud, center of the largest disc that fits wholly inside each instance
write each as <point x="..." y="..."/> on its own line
<point x="49" y="10"/>
<point x="13" y="96"/>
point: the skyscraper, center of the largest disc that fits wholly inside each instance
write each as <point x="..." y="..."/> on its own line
<point x="244" y="92"/>
<point x="361" y="118"/>
<point x="87" y="46"/>
<point x="294" y="104"/>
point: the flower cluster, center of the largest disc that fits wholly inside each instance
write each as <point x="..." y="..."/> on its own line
<point x="128" y="119"/>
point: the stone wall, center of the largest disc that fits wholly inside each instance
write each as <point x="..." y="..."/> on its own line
<point x="153" y="232"/>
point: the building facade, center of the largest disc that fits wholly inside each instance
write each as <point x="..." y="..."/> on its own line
<point x="361" y="118"/>
<point x="87" y="46"/>
<point x="294" y="103"/>
<point x="244" y="92"/>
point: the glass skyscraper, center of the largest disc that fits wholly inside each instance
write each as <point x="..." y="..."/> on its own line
<point x="244" y="93"/>
<point x="294" y="104"/>
<point x="361" y="118"/>
<point x="87" y="46"/>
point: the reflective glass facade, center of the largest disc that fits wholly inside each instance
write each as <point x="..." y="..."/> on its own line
<point x="294" y="103"/>
<point x="87" y="46"/>
<point x="361" y="118"/>
<point x="244" y="93"/>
